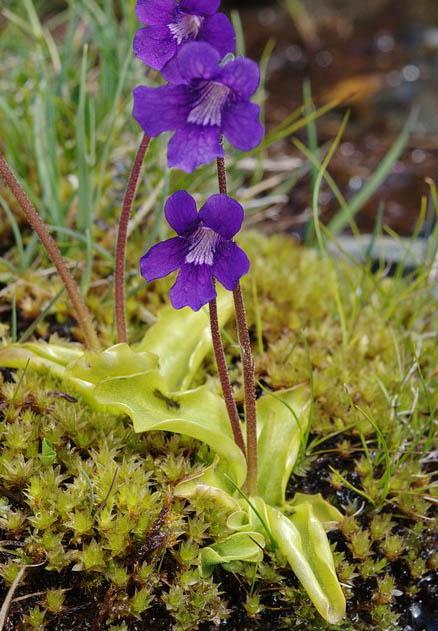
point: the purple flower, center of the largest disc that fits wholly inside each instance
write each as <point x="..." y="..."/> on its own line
<point x="213" y="101"/>
<point x="202" y="251"/>
<point x="173" y="24"/>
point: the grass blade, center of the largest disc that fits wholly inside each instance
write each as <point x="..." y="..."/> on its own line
<point x="32" y="327"/>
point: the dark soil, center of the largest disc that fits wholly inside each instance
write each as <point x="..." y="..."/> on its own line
<point x="83" y="606"/>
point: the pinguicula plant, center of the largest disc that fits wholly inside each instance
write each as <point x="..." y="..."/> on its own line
<point x="207" y="100"/>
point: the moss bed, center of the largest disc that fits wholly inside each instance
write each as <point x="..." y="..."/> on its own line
<point x="87" y="504"/>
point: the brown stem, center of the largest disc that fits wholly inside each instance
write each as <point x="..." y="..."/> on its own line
<point x="122" y="236"/>
<point x="247" y="363"/>
<point x="35" y="221"/>
<point x="224" y="377"/>
<point x="250" y="393"/>
<point x="222" y="176"/>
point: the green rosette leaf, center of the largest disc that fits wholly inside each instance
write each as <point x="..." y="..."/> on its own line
<point x="41" y="356"/>
<point x="240" y="546"/>
<point x="302" y="540"/>
<point x="282" y="423"/>
<point x="128" y="382"/>
<point x="182" y="339"/>
<point x="327" y="514"/>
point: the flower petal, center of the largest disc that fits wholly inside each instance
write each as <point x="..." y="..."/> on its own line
<point x="163" y="258"/>
<point x="242" y="126"/>
<point x="156" y="12"/>
<point x="193" y="288"/>
<point x="194" y="145"/>
<point x="155" y="46"/>
<point x="181" y="213"/>
<point x="161" y="109"/>
<point x="199" y="7"/>
<point x="172" y="73"/>
<point x="219" y="32"/>
<point x="230" y="264"/>
<point x="222" y="214"/>
<point x="198" y="60"/>
<point x="241" y="75"/>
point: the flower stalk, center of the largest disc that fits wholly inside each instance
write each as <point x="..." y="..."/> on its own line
<point x="35" y="221"/>
<point x="249" y="388"/>
<point x="247" y="363"/>
<point x="224" y="377"/>
<point x="122" y="236"/>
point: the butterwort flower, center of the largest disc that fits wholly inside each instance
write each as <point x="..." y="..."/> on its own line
<point x="213" y="101"/>
<point x="202" y="251"/>
<point x="172" y="24"/>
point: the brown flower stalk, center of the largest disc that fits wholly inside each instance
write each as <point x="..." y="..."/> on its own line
<point x="224" y="377"/>
<point x="122" y="236"/>
<point x="247" y="363"/>
<point x="35" y="221"/>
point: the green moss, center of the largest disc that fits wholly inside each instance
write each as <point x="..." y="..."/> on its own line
<point x="102" y="506"/>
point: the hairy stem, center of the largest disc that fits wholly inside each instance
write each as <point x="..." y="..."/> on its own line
<point x="35" y="221"/>
<point x="250" y="392"/>
<point x="247" y="363"/>
<point x="122" y="236"/>
<point x="224" y="377"/>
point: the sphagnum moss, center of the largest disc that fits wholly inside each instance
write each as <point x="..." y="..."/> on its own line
<point x="96" y="511"/>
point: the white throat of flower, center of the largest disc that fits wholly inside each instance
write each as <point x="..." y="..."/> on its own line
<point x="186" y="27"/>
<point x="208" y="106"/>
<point x="202" y="247"/>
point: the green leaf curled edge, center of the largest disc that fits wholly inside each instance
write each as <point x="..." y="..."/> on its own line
<point x="198" y="413"/>
<point x="128" y="382"/>
<point x="325" y="512"/>
<point x="239" y="546"/>
<point x="119" y="360"/>
<point x="41" y="356"/>
<point x="182" y="339"/>
<point x="302" y="541"/>
<point x="282" y="422"/>
<point x="209" y="483"/>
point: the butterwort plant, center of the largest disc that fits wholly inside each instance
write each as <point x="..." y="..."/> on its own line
<point x="207" y="98"/>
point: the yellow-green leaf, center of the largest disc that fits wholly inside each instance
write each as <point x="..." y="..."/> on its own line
<point x="182" y="339"/>
<point x="303" y="541"/>
<point x="246" y="546"/>
<point x="282" y="420"/>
